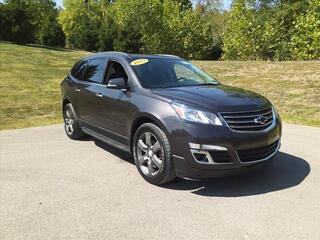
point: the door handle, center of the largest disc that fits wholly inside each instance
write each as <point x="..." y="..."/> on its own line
<point x="77" y="90"/>
<point x="99" y="95"/>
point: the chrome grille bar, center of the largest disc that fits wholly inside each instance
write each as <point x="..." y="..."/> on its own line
<point x="256" y="120"/>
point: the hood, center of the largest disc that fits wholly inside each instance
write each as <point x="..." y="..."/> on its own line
<point x="218" y="98"/>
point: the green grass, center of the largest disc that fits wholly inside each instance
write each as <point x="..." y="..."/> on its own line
<point x="30" y="84"/>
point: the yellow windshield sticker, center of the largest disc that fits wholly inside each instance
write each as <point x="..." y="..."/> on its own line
<point x="139" y="62"/>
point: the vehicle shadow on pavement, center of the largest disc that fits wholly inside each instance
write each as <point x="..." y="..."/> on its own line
<point x="115" y="151"/>
<point x="284" y="172"/>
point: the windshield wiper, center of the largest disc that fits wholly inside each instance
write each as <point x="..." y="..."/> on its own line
<point x="207" y="84"/>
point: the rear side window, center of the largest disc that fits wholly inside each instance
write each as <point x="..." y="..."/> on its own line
<point x="95" y="70"/>
<point x="78" y="70"/>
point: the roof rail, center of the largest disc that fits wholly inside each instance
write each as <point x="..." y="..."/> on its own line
<point x="114" y="52"/>
<point x="167" y="55"/>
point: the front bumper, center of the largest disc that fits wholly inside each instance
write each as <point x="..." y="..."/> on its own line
<point x="195" y="138"/>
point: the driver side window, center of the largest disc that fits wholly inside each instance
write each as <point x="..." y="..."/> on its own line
<point x="115" y="70"/>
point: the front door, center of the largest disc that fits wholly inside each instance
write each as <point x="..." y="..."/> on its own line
<point x="114" y="105"/>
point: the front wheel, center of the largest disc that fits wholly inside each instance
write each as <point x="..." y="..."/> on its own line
<point x="152" y="154"/>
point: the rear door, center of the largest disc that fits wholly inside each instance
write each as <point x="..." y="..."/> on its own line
<point x="86" y="88"/>
<point x="78" y="86"/>
<point x="93" y="76"/>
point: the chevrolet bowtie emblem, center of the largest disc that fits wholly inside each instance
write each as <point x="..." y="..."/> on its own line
<point x="260" y="120"/>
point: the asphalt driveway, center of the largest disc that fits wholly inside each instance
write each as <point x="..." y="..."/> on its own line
<point x="55" y="188"/>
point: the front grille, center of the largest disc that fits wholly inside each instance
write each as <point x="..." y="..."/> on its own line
<point x="220" y="156"/>
<point x="255" y="154"/>
<point x="250" y="120"/>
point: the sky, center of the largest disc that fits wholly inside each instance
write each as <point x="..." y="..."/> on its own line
<point x="226" y="3"/>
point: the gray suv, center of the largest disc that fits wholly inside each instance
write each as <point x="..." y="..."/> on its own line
<point x="175" y="119"/>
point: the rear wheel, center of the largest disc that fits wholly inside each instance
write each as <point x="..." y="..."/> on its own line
<point x="152" y="154"/>
<point x="71" y="124"/>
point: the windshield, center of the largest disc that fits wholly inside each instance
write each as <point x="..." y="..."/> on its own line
<point x="165" y="73"/>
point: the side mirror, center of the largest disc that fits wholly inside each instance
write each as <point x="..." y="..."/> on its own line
<point x="118" y="83"/>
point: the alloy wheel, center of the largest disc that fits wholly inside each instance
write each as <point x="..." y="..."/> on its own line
<point x="69" y="121"/>
<point x="150" y="154"/>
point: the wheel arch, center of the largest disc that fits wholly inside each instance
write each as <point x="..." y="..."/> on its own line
<point x="65" y="101"/>
<point x="145" y="118"/>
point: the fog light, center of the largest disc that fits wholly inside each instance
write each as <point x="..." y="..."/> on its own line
<point x="201" y="157"/>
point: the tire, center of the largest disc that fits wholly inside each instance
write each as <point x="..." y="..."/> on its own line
<point x="71" y="124"/>
<point x="152" y="154"/>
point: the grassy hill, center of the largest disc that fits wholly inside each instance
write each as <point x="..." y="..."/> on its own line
<point x="30" y="84"/>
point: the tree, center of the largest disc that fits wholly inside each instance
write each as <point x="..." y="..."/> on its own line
<point x="283" y="15"/>
<point x="217" y="24"/>
<point x="3" y="23"/>
<point x="156" y="26"/>
<point x="215" y="18"/>
<point x="305" y="44"/>
<point x="48" y="30"/>
<point x="184" y="4"/>
<point x="81" y="22"/>
<point x="31" y="21"/>
<point x="125" y="16"/>
<point x="134" y="26"/>
<point x="208" y="6"/>
<point x="261" y="29"/>
<point x="106" y="35"/>
<point x="17" y="18"/>
<point x="240" y="33"/>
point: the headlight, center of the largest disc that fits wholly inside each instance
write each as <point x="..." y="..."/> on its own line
<point x="194" y="115"/>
